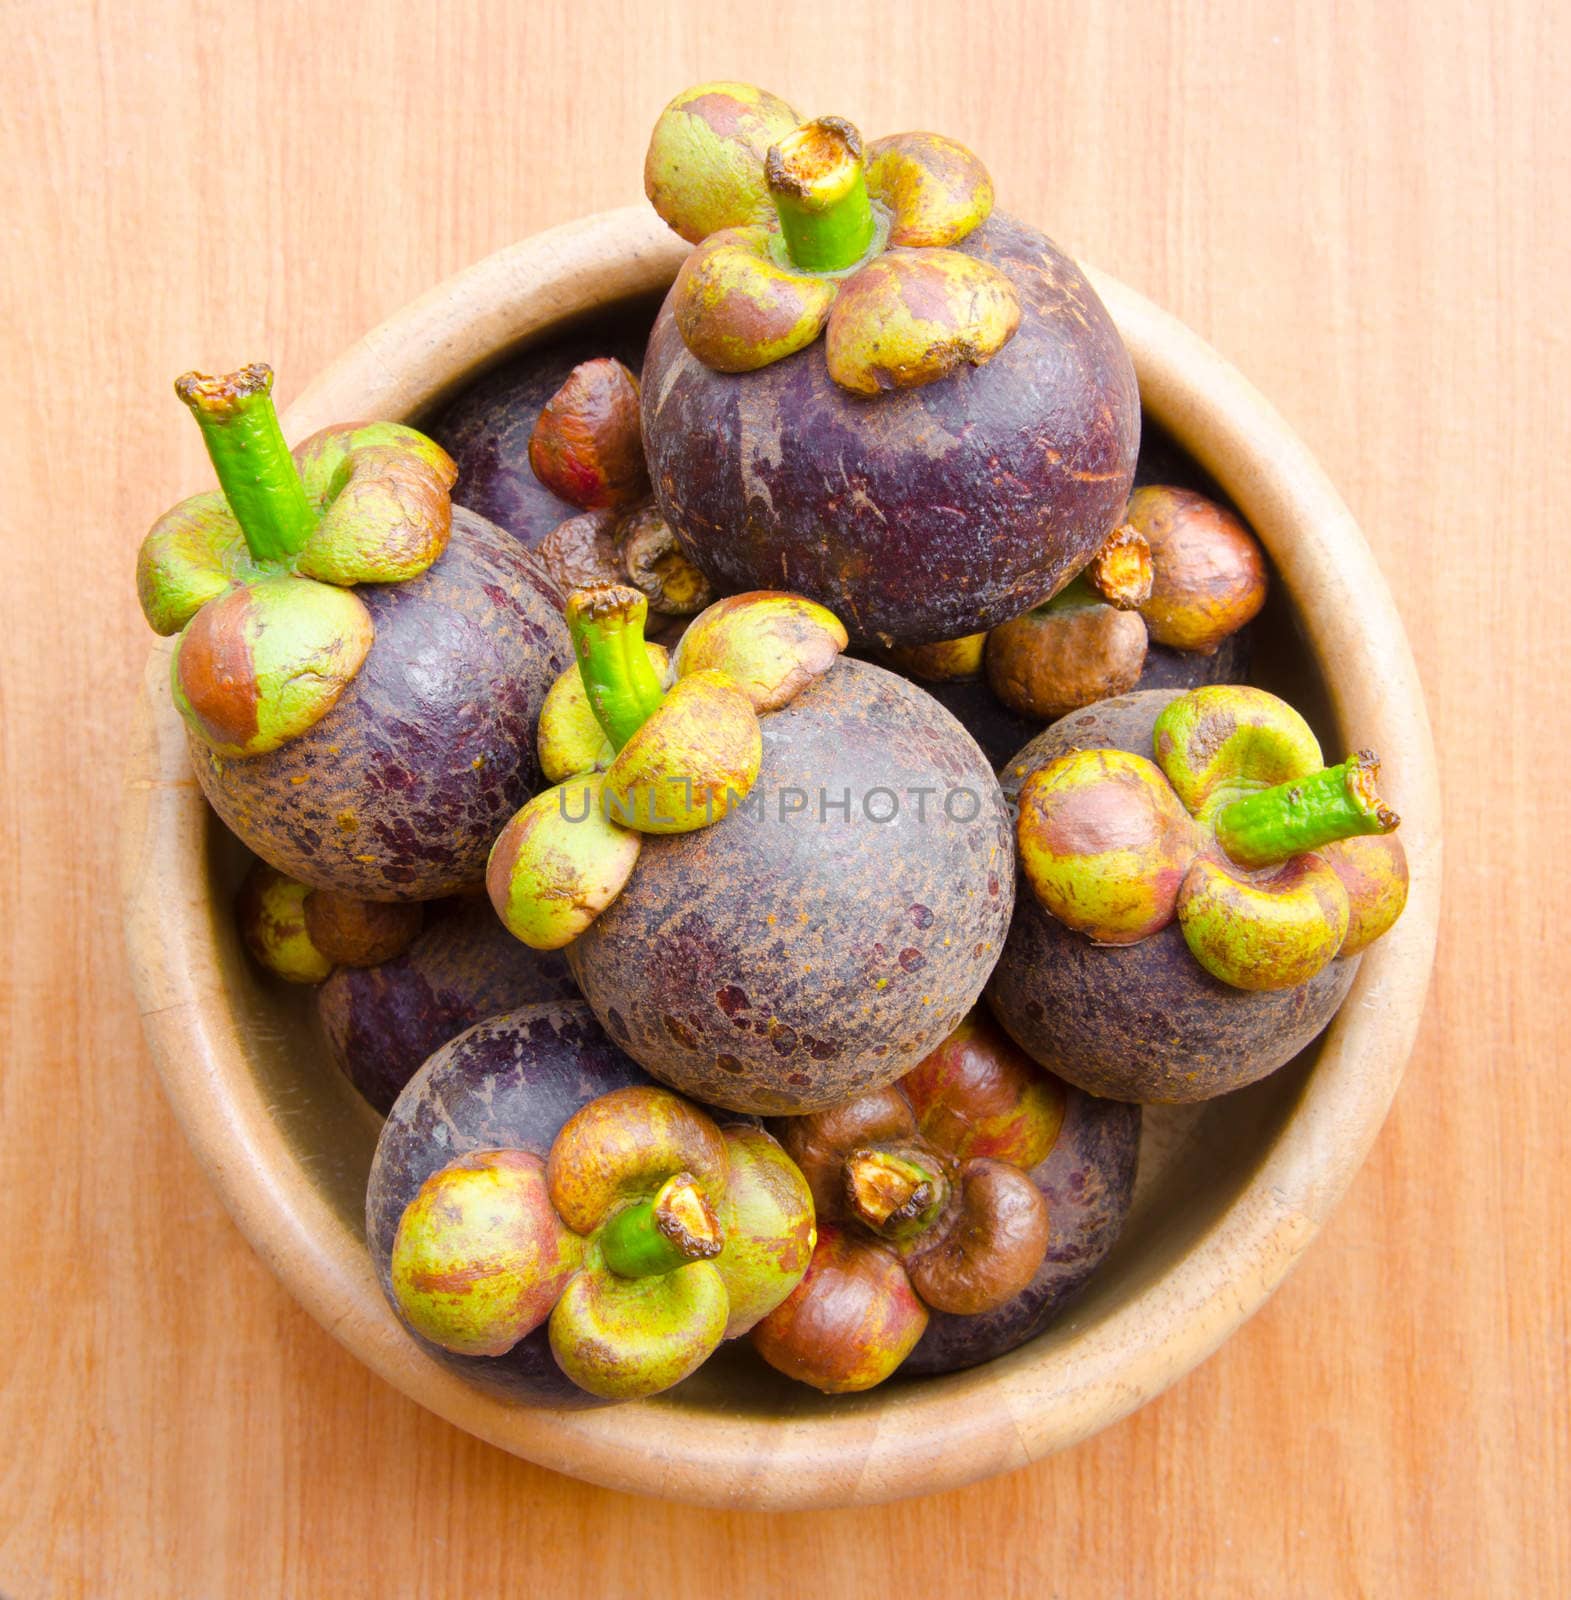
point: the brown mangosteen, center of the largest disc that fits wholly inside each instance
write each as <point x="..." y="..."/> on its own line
<point x="958" y="1210"/>
<point x="772" y="910"/>
<point x="965" y="438"/>
<point x="1194" y="891"/>
<point x="360" y="663"/>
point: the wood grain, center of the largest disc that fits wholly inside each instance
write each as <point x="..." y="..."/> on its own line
<point x="1364" y="208"/>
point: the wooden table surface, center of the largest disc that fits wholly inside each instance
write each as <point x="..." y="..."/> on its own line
<point x="1365" y="207"/>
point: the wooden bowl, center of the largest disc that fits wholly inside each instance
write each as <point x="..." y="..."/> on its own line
<point x="1230" y="1194"/>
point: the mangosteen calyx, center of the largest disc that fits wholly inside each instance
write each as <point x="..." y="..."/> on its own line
<point x="258" y="579"/>
<point x="1235" y="829"/>
<point x="302" y="935"/>
<point x="613" y="1239"/>
<point x="1209" y="576"/>
<point x="642" y="745"/>
<point x="587" y="448"/>
<point x="924" y="1193"/>
<point x="896" y="1193"/>
<point x="802" y="231"/>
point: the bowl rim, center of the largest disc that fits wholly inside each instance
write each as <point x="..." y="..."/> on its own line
<point x="922" y="1437"/>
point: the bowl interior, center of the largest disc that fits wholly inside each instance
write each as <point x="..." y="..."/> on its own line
<point x="1194" y="1160"/>
<point x="1229" y="1192"/>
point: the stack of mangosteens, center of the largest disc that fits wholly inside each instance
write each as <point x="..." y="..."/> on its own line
<point x="778" y="1014"/>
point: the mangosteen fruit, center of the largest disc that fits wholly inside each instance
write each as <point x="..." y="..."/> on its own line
<point x="958" y="1210"/>
<point x="966" y="437"/>
<point x="394" y="979"/>
<point x="770" y="915"/>
<point x="622" y="1239"/>
<point x="1195" y="886"/>
<point x="359" y="663"/>
<point x="508" y="1083"/>
<point x="382" y="1021"/>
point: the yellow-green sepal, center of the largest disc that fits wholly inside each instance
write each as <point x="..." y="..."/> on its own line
<point x="558" y="864"/>
<point x="191" y="555"/>
<point x="739" y="307"/>
<point x="628" y="1338"/>
<point x="623" y="1145"/>
<point x="704" y="169"/>
<point x="270" y="636"/>
<point x="480" y="1255"/>
<point x="912" y="317"/>
<point x="391" y="520"/>
<point x="771" y="645"/>
<point x="266" y="660"/>
<point x="324" y="460"/>
<point x="382" y="495"/>
<point x="1263" y="931"/>
<point x="767" y="1216"/>
<point x="1104" y="844"/>
<point x="935" y="189"/>
<point x="1221" y="742"/>
<point x="696" y="755"/>
<point x="1373" y="870"/>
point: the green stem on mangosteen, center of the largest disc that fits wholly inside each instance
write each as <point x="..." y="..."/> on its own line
<point x="896" y="1193"/>
<point x="674" y="1227"/>
<point x="816" y="180"/>
<point x="255" y="469"/>
<point x="607" y="625"/>
<point x="1334" y="803"/>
